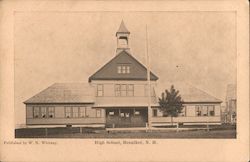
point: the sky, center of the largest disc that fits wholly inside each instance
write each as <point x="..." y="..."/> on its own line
<point x="198" y="48"/>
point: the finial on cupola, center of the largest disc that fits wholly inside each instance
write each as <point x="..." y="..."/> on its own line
<point x="122" y="38"/>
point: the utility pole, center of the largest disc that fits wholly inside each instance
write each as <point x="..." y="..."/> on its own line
<point x="148" y="82"/>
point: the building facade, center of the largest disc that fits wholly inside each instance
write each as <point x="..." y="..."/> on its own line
<point x="231" y="101"/>
<point x="117" y="95"/>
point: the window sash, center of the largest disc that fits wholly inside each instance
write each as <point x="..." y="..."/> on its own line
<point x="119" y="69"/>
<point x="82" y="112"/>
<point x="98" y="113"/>
<point x="124" y="90"/>
<point x="155" y="112"/>
<point x="68" y="112"/>
<point x="198" y="110"/>
<point x="36" y="112"/>
<point x="75" y="112"/>
<point x="51" y="112"/>
<point x="183" y="111"/>
<point x="123" y="69"/>
<point x="99" y="89"/>
<point x="43" y="111"/>
<point x="128" y="69"/>
<point x="211" y="110"/>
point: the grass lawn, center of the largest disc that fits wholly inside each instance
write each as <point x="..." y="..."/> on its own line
<point x="227" y="133"/>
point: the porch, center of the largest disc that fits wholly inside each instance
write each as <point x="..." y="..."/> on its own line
<point x="124" y="117"/>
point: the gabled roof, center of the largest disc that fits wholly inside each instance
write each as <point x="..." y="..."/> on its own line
<point x="122" y="28"/>
<point x="109" y="71"/>
<point x="189" y="93"/>
<point x="64" y="93"/>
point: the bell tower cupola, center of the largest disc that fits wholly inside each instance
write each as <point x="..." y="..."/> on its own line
<point x="122" y="38"/>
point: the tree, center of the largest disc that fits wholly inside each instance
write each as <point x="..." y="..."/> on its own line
<point x="171" y="103"/>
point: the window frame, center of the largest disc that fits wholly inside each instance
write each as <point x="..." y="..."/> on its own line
<point x="98" y="110"/>
<point x="65" y="112"/>
<point x="81" y="112"/>
<point x="123" y="90"/>
<point x="213" y="110"/>
<point x="198" y="108"/>
<point x="38" y="115"/>
<point x="124" y="68"/>
<point x="183" y="112"/>
<point x="75" y="114"/>
<point x="155" y="113"/>
<point x="100" y="90"/>
<point x="130" y="90"/>
<point x="49" y="112"/>
<point x="45" y="112"/>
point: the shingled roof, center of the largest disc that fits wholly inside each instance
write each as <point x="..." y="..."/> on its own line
<point x="64" y="93"/>
<point x="109" y="70"/>
<point x="189" y="93"/>
<point x="122" y="28"/>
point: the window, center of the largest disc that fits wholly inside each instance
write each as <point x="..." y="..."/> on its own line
<point x="117" y="90"/>
<point x="211" y="110"/>
<point x="128" y="69"/>
<point x="183" y="111"/>
<point x="130" y="90"/>
<point x="204" y="111"/>
<point x="75" y="112"/>
<point x="99" y="90"/>
<point x="82" y="112"/>
<point x="36" y="112"/>
<point x="51" y="111"/>
<point x="98" y="113"/>
<point x="124" y="90"/>
<point x="119" y="69"/>
<point x="137" y="112"/>
<point x="43" y="112"/>
<point x="154" y="112"/>
<point x="123" y="69"/>
<point x="68" y="112"/>
<point x="112" y="113"/>
<point x="198" y="110"/>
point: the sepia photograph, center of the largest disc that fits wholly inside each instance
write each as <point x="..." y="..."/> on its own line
<point x="107" y="75"/>
<point x="124" y="81"/>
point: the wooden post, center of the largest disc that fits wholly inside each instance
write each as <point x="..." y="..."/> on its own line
<point x="207" y="124"/>
<point x="46" y="132"/>
<point x="81" y="130"/>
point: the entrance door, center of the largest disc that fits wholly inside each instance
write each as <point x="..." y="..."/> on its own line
<point x="125" y="117"/>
